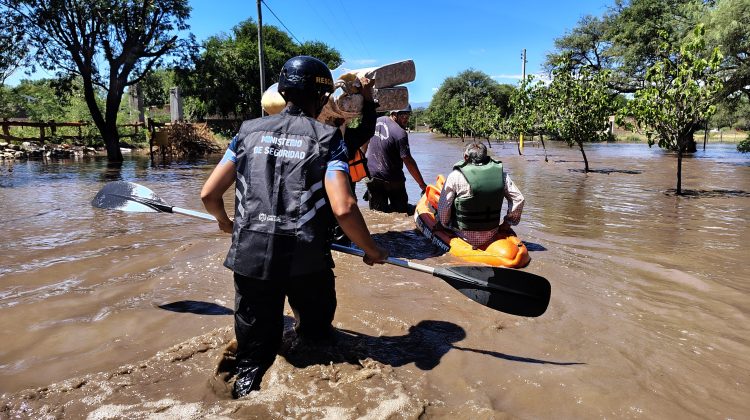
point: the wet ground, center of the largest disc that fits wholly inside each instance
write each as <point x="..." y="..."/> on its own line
<point x="106" y="314"/>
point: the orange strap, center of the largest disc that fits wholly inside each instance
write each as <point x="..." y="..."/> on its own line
<point x="358" y="166"/>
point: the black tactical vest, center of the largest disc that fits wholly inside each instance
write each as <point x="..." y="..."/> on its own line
<point x="282" y="214"/>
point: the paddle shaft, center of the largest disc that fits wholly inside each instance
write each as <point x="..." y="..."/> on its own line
<point x="193" y="213"/>
<point x="335" y="247"/>
<point x="394" y="261"/>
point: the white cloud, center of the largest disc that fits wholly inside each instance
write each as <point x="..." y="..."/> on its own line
<point x="508" y="76"/>
<point x="362" y="62"/>
<point x="537" y="76"/>
<point x="349" y="65"/>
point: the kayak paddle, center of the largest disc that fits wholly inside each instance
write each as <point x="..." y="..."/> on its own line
<point x="504" y="289"/>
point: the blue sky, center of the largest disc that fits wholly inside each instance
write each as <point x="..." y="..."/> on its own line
<point x="442" y="37"/>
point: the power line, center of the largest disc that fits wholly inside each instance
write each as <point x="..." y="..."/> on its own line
<point x="351" y="23"/>
<point x="320" y="18"/>
<point x="282" y="23"/>
<point x="336" y="19"/>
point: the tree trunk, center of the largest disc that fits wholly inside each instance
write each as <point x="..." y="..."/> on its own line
<point x="679" y="171"/>
<point x="109" y="133"/>
<point x="705" y="136"/>
<point x="585" y="161"/>
<point x="692" y="146"/>
<point x="112" y="141"/>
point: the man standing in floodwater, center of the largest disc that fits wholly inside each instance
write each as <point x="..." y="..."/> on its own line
<point x="387" y="154"/>
<point x="290" y="173"/>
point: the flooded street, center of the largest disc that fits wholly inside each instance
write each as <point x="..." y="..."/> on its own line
<point x="127" y="314"/>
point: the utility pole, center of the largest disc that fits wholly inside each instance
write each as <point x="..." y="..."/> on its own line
<point x="261" y="56"/>
<point x="523" y="81"/>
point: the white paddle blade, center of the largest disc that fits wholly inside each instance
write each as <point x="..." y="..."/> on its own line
<point x="128" y="196"/>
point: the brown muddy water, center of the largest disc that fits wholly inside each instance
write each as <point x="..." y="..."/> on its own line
<point x="114" y="315"/>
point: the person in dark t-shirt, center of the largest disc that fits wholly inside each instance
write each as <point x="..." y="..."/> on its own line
<point x="387" y="153"/>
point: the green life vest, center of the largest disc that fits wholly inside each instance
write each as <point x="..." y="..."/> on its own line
<point x="481" y="209"/>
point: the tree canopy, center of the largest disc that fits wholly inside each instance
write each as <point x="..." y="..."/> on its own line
<point x="109" y="44"/>
<point x="727" y="27"/>
<point x="225" y="73"/>
<point x="576" y="106"/>
<point x="627" y="39"/>
<point x="13" y="43"/>
<point x="678" y="97"/>
<point x="469" y="103"/>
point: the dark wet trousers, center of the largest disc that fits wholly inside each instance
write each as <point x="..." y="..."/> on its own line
<point x="388" y="196"/>
<point x="259" y="316"/>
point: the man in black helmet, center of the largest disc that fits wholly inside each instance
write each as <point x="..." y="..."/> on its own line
<point x="387" y="154"/>
<point x="290" y="176"/>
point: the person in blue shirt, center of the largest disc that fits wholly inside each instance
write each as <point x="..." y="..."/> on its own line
<point x="291" y="180"/>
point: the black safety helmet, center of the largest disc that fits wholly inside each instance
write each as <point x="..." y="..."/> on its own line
<point x="305" y="74"/>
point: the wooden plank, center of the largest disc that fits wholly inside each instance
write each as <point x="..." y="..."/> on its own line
<point x="44" y="124"/>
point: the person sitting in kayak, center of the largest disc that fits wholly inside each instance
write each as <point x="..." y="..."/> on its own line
<point x="472" y="197"/>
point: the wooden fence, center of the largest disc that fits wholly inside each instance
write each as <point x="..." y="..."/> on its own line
<point x="51" y="127"/>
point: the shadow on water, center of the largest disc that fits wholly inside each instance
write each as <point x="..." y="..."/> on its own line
<point x="196" y="307"/>
<point x="608" y="171"/>
<point x="531" y="246"/>
<point x="708" y="193"/>
<point x="410" y="244"/>
<point x="424" y="345"/>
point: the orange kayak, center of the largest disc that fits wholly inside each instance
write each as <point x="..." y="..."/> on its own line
<point x="504" y="250"/>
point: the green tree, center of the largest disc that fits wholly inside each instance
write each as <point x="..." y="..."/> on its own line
<point x="627" y="39"/>
<point x="459" y="99"/>
<point x="576" y="106"/>
<point x="727" y="27"/>
<point x="110" y="44"/>
<point x="225" y="74"/>
<point x="418" y="118"/>
<point x="744" y="145"/>
<point x="678" y="97"/>
<point x="528" y="102"/>
<point x="155" y="86"/>
<point x="13" y="43"/>
<point x="586" y="45"/>
<point x="486" y="119"/>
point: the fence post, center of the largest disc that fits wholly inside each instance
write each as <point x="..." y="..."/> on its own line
<point x="150" y="137"/>
<point x="53" y="128"/>
<point x="136" y="100"/>
<point x="175" y="104"/>
<point x="6" y="129"/>
<point x="41" y="134"/>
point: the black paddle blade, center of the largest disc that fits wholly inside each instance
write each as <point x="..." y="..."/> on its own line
<point x="127" y="196"/>
<point x="507" y="290"/>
